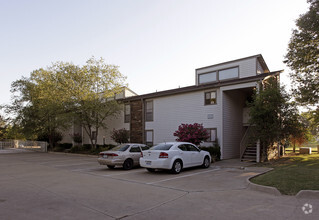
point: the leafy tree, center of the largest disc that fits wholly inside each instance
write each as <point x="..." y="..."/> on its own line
<point x="193" y="133"/>
<point x="53" y="98"/>
<point x="274" y="117"/>
<point x="3" y="128"/>
<point x="89" y="93"/>
<point x="53" y="137"/>
<point x="120" y="136"/>
<point x="37" y="107"/>
<point x="303" y="58"/>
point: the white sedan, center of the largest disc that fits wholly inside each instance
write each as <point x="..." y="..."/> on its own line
<point x="174" y="156"/>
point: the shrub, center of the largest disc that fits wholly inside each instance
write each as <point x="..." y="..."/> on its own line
<point x="214" y="152"/>
<point x="193" y="133"/>
<point x="86" y="149"/>
<point x="77" y="138"/>
<point x="120" y="136"/>
<point x="55" y="136"/>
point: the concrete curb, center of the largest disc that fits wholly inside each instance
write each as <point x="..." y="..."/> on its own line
<point x="72" y="154"/>
<point x="302" y="194"/>
<point x="266" y="189"/>
<point x="308" y="194"/>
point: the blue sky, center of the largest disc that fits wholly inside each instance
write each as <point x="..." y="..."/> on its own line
<point x="158" y="44"/>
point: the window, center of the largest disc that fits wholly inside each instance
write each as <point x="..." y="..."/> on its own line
<point x="162" y="146"/>
<point x="228" y="73"/>
<point x="93" y="135"/>
<point x="218" y="75"/>
<point x="210" y="98"/>
<point x="149" y="111"/>
<point x="127" y="113"/>
<point x="135" y="149"/>
<point x="149" y="137"/>
<point x="191" y="148"/>
<point x="212" y="134"/>
<point x="182" y="147"/>
<point x="145" y="147"/>
<point x="207" y="77"/>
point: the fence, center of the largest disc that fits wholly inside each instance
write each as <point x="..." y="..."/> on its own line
<point x="28" y="145"/>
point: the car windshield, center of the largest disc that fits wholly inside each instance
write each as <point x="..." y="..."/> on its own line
<point x="122" y="147"/>
<point x="162" y="147"/>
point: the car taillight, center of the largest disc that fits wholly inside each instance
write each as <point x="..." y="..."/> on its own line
<point x="112" y="155"/>
<point x="141" y="154"/>
<point x="163" y="155"/>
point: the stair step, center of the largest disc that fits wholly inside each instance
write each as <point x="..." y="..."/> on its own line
<point x="250" y="155"/>
<point x="248" y="160"/>
<point x="251" y="147"/>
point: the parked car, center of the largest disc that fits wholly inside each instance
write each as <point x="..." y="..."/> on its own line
<point x="174" y="156"/>
<point x="126" y="155"/>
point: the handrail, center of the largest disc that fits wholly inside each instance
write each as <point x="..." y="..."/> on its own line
<point x="246" y="139"/>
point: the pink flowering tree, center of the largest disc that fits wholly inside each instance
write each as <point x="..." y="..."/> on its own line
<point x="193" y="133"/>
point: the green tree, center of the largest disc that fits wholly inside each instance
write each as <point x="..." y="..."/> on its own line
<point x="36" y="106"/>
<point x="89" y="93"/>
<point x="53" y="98"/>
<point x="303" y="58"/>
<point x="274" y="117"/>
<point x="3" y="128"/>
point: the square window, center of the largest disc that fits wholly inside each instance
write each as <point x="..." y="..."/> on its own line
<point x="210" y="98"/>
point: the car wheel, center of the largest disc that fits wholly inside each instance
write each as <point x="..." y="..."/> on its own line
<point x="110" y="166"/>
<point x="128" y="164"/>
<point x="177" y="167"/>
<point x="206" y="162"/>
<point x="150" y="170"/>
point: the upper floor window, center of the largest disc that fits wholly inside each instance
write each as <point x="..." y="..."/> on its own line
<point x="210" y="98"/>
<point x="228" y="73"/>
<point x="127" y="113"/>
<point x="218" y="75"/>
<point x="149" y="111"/>
<point x="207" y="77"/>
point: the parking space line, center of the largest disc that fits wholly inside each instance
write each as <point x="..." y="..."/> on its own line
<point x="75" y="164"/>
<point x="118" y="174"/>
<point x="179" y="177"/>
<point x="84" y="170"/>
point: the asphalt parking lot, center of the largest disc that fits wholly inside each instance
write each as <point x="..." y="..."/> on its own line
<point x="61" y="186"/>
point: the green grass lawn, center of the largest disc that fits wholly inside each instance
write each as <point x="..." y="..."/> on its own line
<point x="292" y="173"/>
<point x="313" y="146"/>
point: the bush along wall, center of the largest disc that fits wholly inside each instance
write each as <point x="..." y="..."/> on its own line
<point x="214" y="152"/>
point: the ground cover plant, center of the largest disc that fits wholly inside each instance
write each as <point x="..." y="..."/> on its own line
<point x="292" y="173"/>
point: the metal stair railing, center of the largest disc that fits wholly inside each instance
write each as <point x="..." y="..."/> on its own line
<point x="246" y="140"/>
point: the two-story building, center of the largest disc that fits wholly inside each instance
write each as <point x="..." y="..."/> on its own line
<point x="218" y="100"/>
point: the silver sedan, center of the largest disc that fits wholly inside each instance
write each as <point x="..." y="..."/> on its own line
<point x="125" y="155"/>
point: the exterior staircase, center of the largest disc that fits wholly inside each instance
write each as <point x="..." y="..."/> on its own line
<point x="250" y="153"/>
<point x="248" y="146"/>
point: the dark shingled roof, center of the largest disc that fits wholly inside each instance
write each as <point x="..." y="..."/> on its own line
<point x="203" y="86"/>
